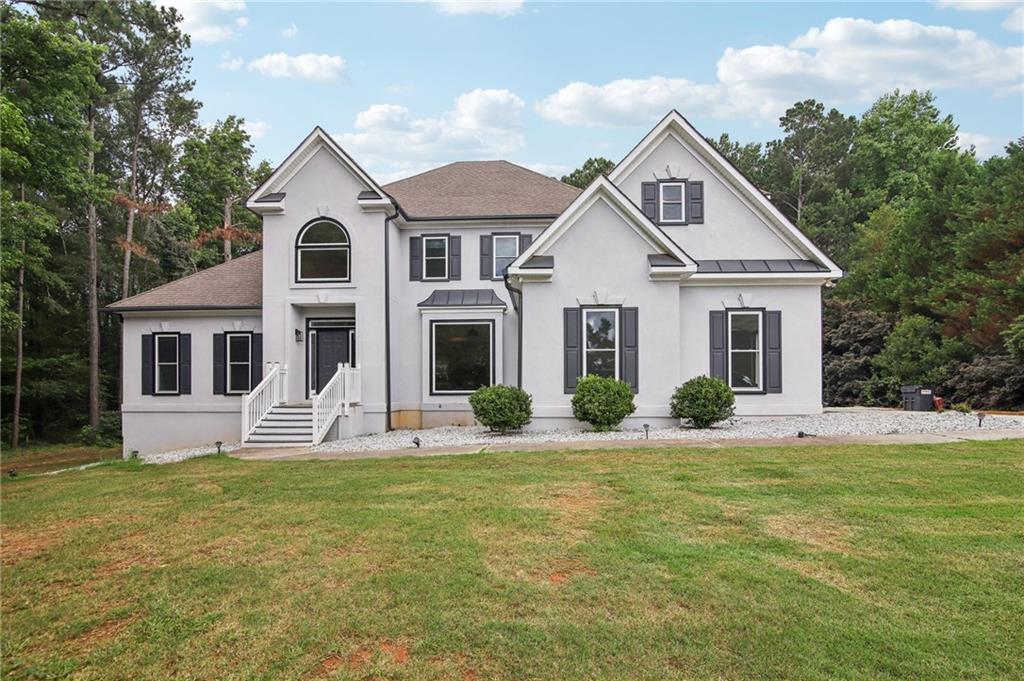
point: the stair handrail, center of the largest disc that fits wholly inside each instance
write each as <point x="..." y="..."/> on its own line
<point x="342" y="391"/>
<point x="258" y="402"/>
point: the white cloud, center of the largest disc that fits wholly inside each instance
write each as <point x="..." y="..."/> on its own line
<point x="291" y="31"/>
<point x="209" y="21"/>
<point x="502" y="8"/>
<point x="229" y="63"/>
<point x="984" y="146"/>
<point x="555" y="170"/>
<point x="256" y="128"/>
<point x="976" y="5"/>
<point x="482" y="124"/>
<point x="322" y="67"/>
<point x="1015" y="22"/>
<point x="847" y="60"/>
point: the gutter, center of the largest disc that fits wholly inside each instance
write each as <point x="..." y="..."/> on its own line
<point x="387" y="318"/>
<point x="512" y="291"/>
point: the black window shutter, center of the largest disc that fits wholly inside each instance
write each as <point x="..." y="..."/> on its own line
<point x="486" y="263"/>
<point x="773" y="351"/>
<point x="649" y="200"/>
<point x="695" y="202"/>
<point x="185" y="364"/>
<point x="524" y="242"/>
<point x="256" y="374"/>
<point x="147" y="364"/>
<point x="455" y="258"/>
<point x="220" y="374"/>
<point x="630" y="347"/>
<point x="415" y="258"/>
<point x="719" y="348"/>
<point x="573" y="348"/>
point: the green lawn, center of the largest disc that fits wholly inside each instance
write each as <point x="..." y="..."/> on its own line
<point x="812" y="562"/>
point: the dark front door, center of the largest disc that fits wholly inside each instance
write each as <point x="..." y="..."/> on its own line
<point x="332" y="348"/>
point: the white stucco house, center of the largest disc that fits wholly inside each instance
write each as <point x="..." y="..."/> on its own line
<point x="373" y="307"/>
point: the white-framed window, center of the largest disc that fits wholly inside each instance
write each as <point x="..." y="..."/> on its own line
<point x="670" y="201"/>
<point x="601" y="342"/>
<point x="506" y="250"/>
<point x="239" y="362"/>
<point x="166" y="365"/>
<point x="745" y="355"/>
<point x="323" y="253"/>
<point x="461" y="356"/>
<point x="435" y="257"/>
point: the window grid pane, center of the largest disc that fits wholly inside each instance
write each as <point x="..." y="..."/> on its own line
<point x="601" y="343"/>
<point x="323" y="263"/>
<point x="745" y="351"/>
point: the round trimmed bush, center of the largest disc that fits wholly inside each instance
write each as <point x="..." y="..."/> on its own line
<point x="703" y="401"/>
<point x="602" y="402"/>
<point x="502" y="408"/>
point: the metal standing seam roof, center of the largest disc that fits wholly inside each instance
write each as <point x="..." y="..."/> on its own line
<point x="481" y="189"/>
<point x="235" y="284"/>
<point x="754" y="266"/>
<point x="477" y="297"/>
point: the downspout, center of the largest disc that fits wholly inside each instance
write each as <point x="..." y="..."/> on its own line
<point x="512" y="291"/>
<point x="387" y="320"/>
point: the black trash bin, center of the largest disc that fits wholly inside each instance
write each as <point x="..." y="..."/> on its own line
<point x="916" y="398"/>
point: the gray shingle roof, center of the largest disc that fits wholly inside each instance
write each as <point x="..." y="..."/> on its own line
<point x="236" y="284"/>
<point x="746" y="266"/>
<point x="476" y="297"/>
<point x="475" y="189"/>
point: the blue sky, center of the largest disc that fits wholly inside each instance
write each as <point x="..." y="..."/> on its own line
<point x="408" y="86"/>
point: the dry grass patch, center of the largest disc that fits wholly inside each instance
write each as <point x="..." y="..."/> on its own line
<point x="814" y="531"/>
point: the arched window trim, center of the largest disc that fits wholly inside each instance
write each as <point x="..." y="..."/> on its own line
<point x="345" y="247"/>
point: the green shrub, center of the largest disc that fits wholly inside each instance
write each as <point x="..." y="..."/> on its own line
<point x="602" y="402"/>
<point x="961" y="407"/>
<point x="703" y="401"/>
<point x="107" y="434"/>
<point x="502" y="407"/>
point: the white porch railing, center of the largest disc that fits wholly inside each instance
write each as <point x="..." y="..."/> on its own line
<point x="257" y="403"/>
<point x="341" y="392"/>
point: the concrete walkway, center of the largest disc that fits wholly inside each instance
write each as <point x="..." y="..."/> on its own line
<point x="305" y="453"/>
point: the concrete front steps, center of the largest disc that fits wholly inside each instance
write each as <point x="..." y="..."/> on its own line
<point x="284" y="425"/>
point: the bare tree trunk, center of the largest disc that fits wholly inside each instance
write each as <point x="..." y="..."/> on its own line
<point x="228" y="201"/>
<point x="130" y="230"/>
<point x="799" y="198"/>
<point x="20" y="350"/>
<point x="92" y="294"/>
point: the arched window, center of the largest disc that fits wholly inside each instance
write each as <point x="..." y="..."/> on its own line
<point x="322" y="253"/>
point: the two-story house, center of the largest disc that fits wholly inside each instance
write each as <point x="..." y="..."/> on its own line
<point x="374" y="307"/>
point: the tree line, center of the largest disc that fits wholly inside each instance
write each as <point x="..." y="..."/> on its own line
<point x="110" y="187"/>
<point x="931" y="240"/>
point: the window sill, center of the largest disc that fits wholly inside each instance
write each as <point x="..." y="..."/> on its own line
<point x="323" y="284"/>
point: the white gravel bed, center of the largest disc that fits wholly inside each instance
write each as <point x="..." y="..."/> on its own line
<point x="176" y="455"/>
<point x="833" y="422"/>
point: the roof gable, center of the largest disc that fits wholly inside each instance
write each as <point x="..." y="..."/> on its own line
<point x="481" y="189"/>
<point x="676" y="126"/>
<point x="601" y="189"/>
<point x="260" y="199"/>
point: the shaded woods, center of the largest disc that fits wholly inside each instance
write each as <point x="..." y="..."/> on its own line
<point x="110" y="187"/>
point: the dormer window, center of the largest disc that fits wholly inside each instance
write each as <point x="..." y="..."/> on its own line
<point x="322" y="253"/>
<point x="670" y="203"/>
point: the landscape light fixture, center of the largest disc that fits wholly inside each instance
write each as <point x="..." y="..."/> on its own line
<point x="981" y="417"/>
<point x="416" y="441"/>
<point x="218" y="443"/>
<point x="647" y="431"/>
